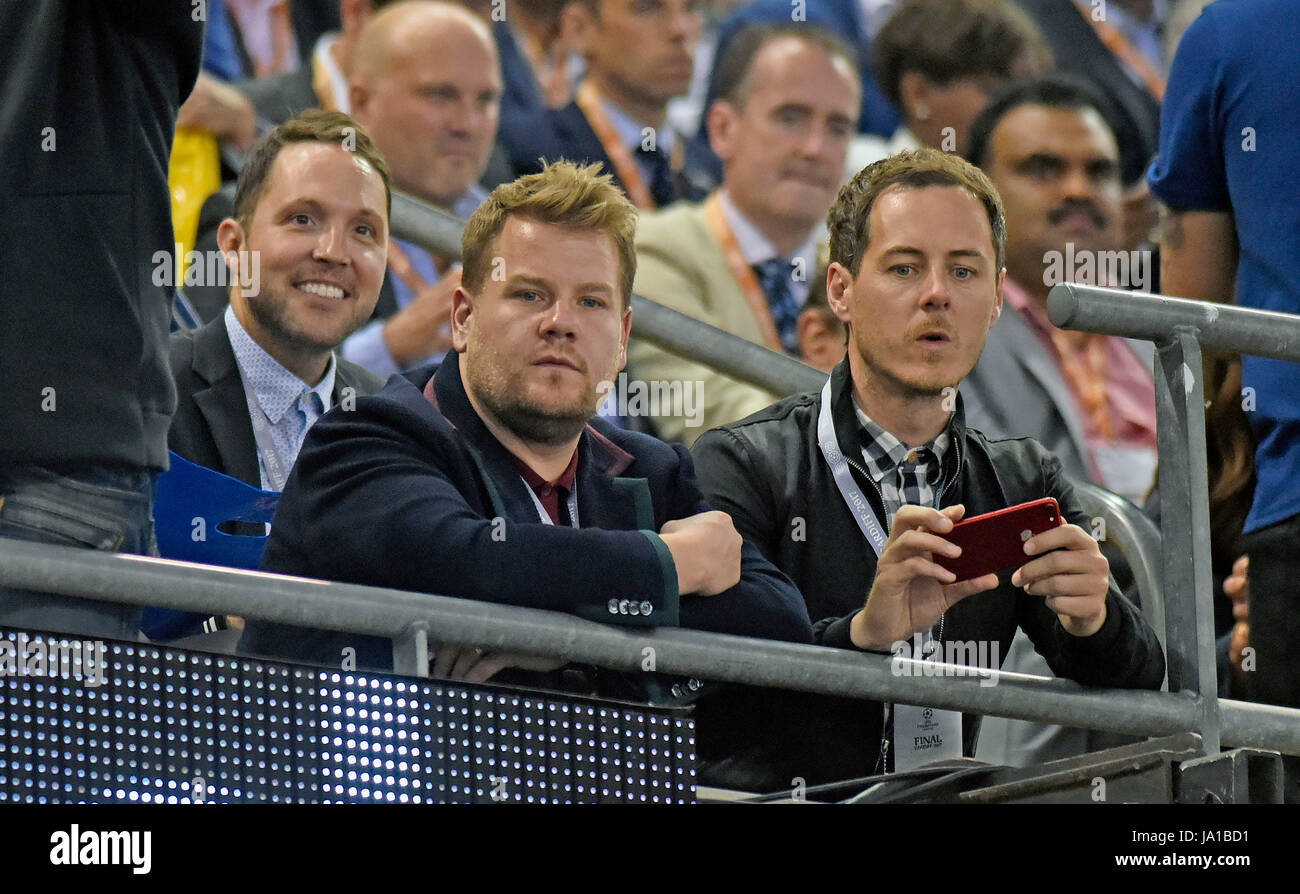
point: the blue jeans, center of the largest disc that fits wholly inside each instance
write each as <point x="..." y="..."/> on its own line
<point x="96" y="507"/>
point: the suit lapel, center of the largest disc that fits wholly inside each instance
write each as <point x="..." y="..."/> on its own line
<point x="606" y="500"/>
<point x="223" y="405"/>
<point x="1024" y="346"/>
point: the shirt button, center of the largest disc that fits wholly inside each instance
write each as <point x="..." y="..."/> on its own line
<point x="646" y="608"/>
<point x="546" y="490"/>
<point x="613" y="606"/>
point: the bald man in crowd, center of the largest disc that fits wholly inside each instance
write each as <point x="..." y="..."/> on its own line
<point x="426" y="84"/>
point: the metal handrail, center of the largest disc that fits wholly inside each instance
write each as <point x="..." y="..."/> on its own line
<point x="398" y="614"/>
<point x="1179" y="327"/>
<point x="1156" y="318"/>
<point x="1138" y="538"/>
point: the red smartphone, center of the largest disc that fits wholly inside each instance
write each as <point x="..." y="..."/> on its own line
<point x="995" y="541"/>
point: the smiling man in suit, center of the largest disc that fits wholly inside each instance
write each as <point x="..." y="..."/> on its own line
<point x="489" y="479"/>
<point x="308" y="240"/>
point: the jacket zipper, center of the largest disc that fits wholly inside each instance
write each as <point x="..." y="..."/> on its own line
<point x="882" y="762"/>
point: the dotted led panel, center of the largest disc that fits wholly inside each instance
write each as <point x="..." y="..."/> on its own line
<point x="127" y="722"/>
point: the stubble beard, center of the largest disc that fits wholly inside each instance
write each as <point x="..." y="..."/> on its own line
<point x="883" y="375"/>
<point x="526" y="420"/>
<point x="271" y="312"/>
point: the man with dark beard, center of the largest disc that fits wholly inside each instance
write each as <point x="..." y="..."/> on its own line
<point x="491" y="480"/>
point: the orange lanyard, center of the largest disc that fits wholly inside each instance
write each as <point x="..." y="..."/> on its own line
<point x="740" y="269"/>
<point x="1123" y="48"/>
<point x="588" y="99"/>
<point x="1086" y="372"/>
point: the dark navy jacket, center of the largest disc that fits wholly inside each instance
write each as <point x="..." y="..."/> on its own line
<point x="552" y="134"/>
<point x="396" y="493"/>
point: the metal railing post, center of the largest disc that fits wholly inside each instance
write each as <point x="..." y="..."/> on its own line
<point x="1185" y="529"/>
<point x="411" y="651"/>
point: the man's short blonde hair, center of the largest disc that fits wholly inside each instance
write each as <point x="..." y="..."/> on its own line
<point x="565" y="194"/>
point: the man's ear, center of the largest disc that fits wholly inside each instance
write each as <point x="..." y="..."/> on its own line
<point x="232" y="241"/>
<point x="820" y="346"/>
<point x="915" y="93"/>
<point x="721" y="122"/>
<point x="997" y="296"/>
<point x="839" y="291"/>
<point x="461" y="308"/>
<point x="624" y="336"/>
<point x="358" y="100"/>
<point x="577" y="27"/>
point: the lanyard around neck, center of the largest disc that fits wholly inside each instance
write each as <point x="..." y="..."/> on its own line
<point x="571" y="503"/>
<point x="588" y="100"/>
<point x="276" y="473"/>
<point x="863" y="514"/>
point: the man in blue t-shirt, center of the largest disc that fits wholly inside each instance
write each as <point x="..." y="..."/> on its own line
<point x="1227" y="168"/>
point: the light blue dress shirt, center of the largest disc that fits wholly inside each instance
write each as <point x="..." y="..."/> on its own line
<point x="285" y="401"/>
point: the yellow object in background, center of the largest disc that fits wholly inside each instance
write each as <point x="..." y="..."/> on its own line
<point x="193" y="175"/>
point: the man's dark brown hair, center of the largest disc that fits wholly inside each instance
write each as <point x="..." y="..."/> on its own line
<point x="849" y="216"/>
<point x="311" y="126"/>
<point x="949" y="40"/>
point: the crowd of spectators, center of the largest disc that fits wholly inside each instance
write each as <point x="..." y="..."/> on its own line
<point x="884" y="189"/>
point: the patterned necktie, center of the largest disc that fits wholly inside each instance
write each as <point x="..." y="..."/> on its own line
<point x="774" y="276"/>
<point x="661" y="179"/>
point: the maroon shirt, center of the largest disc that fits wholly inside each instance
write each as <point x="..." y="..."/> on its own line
<point x="552" y="494"/>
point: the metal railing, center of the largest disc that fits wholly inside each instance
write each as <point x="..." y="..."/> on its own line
<point x="1138" y="538"/>
<point x="416" y="620"/>
<point x="1179" y="328"/>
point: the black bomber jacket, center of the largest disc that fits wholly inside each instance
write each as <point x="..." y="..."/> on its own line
<point x="767" y="471"/>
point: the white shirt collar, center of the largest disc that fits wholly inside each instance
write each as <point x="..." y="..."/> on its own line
<point x="338" y="81"/>
<point x="755" y="246"/>
<point x="631" y="131"/>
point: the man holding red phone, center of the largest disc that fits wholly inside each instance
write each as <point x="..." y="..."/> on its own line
<point x="916" y="274"/>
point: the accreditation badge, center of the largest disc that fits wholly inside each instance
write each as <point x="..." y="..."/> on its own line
<point x="922" y="735"/>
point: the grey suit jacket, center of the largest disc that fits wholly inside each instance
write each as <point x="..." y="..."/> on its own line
<point x="1016" y="390"/>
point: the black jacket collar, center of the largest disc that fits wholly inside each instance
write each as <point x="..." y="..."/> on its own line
<point x="846" y="421"/>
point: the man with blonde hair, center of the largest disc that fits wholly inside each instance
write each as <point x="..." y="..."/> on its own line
<point x="490" y="479"/>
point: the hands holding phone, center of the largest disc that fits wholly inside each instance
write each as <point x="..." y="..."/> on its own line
<point x="1074" y="578"/>
<point x="911" y="591"/>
